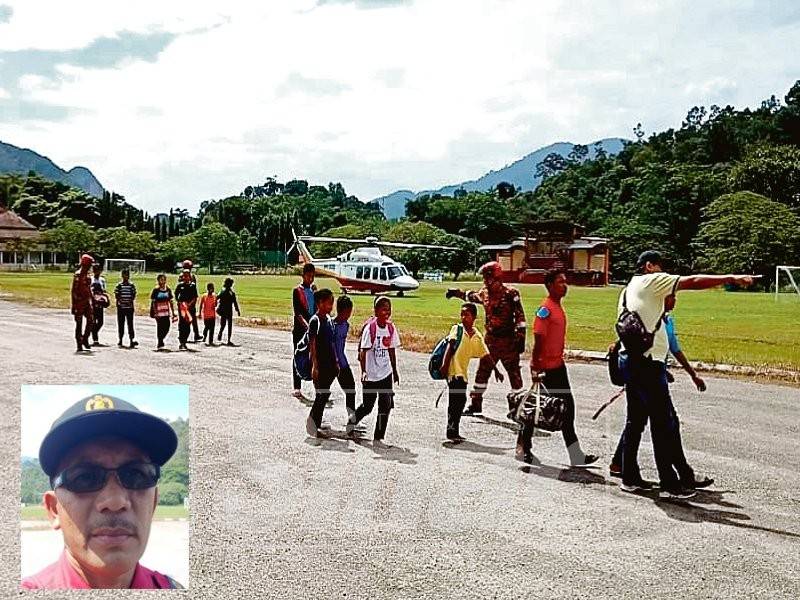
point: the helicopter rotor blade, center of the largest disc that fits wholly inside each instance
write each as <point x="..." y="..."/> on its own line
<point x="316" y="238"/>
<point x="405" y="245"/>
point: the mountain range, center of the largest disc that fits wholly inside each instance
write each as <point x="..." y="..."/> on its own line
<point x="521" y="174"/>
<point x="22" y="160"/>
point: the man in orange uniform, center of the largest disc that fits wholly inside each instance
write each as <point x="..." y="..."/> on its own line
<point x="547" y="367"/>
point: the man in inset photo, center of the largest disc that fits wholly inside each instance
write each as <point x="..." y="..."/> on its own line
<point x="103" y="457"/>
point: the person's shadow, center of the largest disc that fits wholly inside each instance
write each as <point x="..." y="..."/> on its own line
<point x="331" y="442"/>
<point x="583" y="475"/>
<point x="470" y="446"/>
<point x="404" y="456"/>
<point x="689" y="512"/>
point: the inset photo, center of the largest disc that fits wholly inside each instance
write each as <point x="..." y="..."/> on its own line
<point x="105" y="487"/>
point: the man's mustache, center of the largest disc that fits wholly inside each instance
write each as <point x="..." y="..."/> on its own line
<point x="116" y="524"/>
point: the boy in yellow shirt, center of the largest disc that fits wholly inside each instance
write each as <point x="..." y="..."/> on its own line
<point x="465" y="343"/>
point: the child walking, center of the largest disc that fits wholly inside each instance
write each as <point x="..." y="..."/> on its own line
<point x="208" y="304"/>
<point x="162" y="307"/>
<point x="226" y="302"/>
<point x="377" y="356"/>
<point x="186" y="295"/>
<point x="341" y="327"/>
<point x="324" y="366"/>
<point x="125" y="295"/>
<point x="465" y="343"/>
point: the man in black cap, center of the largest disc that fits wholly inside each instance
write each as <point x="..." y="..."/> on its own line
<point x="103" y="457"/>
<point x="643" y="364"/>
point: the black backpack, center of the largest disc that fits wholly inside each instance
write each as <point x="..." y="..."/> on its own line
<point x="632" y="332"/>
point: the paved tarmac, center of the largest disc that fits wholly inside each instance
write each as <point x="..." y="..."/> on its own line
<point x="276" y="514"/>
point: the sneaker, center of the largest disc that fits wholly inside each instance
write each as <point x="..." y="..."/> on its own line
<point x="697" y="484"/>
<point x="230" y="344"/>
<point x="614" y="470"/>
<point x="325" y="425"/>
<point x="299" y="395"/>
<point x="329" y="404"/>
<point x="311" y="427"/>
<point x="588" y="459"/>
<point x="472" y="411"/>
<point x="182" y="347"/>
<point x="134" y="343"/>
<point x="455" y="438"/>
<point x="199" y="338"/>
<point x="677" y="493"/>
<point x="637" y="486"/>
<point x="380" y="444"/>
<point x="119" y="344"/>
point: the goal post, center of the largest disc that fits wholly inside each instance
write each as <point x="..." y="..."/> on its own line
<point x="791" y="277"/>
<point x="117" y="264"/>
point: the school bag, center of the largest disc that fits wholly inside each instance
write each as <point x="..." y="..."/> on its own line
<point x="372" y="323"/>
<point x="437" y="356"/>
<point x="632" y="332"/>
<point x="302" y="356"/>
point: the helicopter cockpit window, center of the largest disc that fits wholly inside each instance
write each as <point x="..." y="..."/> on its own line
<point x="394" y="272"/>
<point x="375" y="273"/>
<point x="360" y="273"/>
<point x="383" y="274"/>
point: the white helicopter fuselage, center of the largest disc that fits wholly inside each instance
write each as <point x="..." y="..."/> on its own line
<point x="365" y="269"/>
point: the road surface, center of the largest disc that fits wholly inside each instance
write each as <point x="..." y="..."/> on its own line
<point x="278" y="515"/>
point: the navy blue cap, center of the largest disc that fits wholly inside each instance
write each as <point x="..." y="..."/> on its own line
<point x="102" y="415"/>
<point x="649" y="256"/>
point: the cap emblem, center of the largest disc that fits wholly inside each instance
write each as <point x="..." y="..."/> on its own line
<point x="99" y="402"/>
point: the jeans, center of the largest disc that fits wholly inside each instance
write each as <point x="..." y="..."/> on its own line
<point x="556" y="384"/>
<point x="125" y="315"/>
<point x="647" y="395"/>
<point x="323" y="393"/>
<point x="456" y="400"/>
<point x="383" y="393"/>
<point x="162" y="329"/>
<point x="348" y="385"/>
<point x="98" y="322"/>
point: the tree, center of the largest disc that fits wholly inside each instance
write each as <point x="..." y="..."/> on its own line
<point x="552" y="164"/>
<point x="176" y="249"/>
<point x="505" y="190"/>
<point x="248" y="244"/>
<point x="70" y="237"/>
<point x="215" y="244"/>
<point x="745" y="232"/>
<point x="171" y="493"/>
<point x="773" y="171"/>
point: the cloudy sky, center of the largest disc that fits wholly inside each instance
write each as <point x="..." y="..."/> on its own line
<point x="172" y="103"/>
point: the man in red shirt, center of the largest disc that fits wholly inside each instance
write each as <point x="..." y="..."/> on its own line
<point x="547" y="367"/>
<point x="103" y="457"/>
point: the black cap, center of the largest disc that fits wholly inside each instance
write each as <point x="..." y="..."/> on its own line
<point x="649" y="256"/>
<point x="101" y="415"/>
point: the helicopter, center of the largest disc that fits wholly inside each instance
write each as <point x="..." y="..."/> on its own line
<point x="365" y="268"/>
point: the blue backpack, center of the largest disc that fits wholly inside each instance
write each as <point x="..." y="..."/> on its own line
<point x="437" y="356"/>
<point x="302" y="356"/>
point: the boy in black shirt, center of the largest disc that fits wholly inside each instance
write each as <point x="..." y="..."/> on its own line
<point x="186" y="295"/>
<point x="324" y="365"/>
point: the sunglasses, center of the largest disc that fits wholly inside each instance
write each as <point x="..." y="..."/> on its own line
<point x="86" y="478"/>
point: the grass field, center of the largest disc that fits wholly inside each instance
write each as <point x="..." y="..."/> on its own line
<point x="37" y="513"/>
<point x="714" y="326"/>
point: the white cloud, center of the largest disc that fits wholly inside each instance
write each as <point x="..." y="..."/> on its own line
<point x="411" y="95"/>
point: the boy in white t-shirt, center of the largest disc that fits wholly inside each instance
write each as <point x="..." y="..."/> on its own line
<point x="377" y="356"/>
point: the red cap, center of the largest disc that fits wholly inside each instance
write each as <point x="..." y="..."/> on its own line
<point x="492" y="269"/>
<point x="86" y="260"/>
<point x="187" y="264"/>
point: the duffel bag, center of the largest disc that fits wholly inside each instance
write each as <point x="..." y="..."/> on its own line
<point x="536" y="406"/>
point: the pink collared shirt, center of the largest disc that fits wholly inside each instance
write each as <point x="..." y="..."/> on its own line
<point x="61" y="575"/>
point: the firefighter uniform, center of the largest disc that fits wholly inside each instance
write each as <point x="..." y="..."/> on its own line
<point x="505" y="338"/>
<point x="82" y="305"/>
